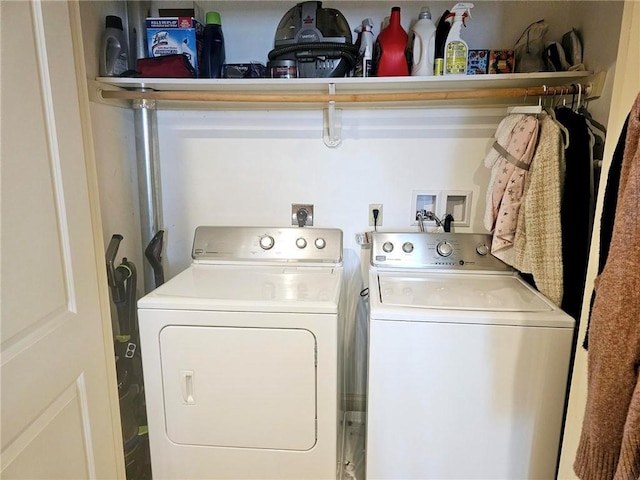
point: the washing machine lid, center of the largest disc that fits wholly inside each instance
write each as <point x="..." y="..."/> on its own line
<point x="250" y="288"/>
<point x="469" y="292"/>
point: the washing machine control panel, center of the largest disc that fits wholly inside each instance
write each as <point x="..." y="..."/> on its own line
<point x="285" y="244"/>
<point x="462" y="251"/>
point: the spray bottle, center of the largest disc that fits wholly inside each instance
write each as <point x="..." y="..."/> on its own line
<point x="456" y="49"/>
<point x="364" y="66"/>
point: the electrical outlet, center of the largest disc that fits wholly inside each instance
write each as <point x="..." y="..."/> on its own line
<point x="372" y="220"/>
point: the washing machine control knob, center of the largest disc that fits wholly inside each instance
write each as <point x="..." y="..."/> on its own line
<point x="267" y="242"/>
<point x="482" y="249"/>
<point x="301" y="242"/>
<point x="407" y="247"/>
<point x="444" y="249"/>
<point x="320" y="243"/>
<point x="387" y="247"/>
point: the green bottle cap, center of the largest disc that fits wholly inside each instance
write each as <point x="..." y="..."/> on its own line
<point x="213" y="18"/>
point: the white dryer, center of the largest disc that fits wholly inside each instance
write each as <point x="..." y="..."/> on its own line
<point x="242" y="358"/>
<point x="468" y="365"/>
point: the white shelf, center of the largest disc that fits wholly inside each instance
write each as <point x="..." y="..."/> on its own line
<point x="350" y="84"/>
<point x="349" y="92"/>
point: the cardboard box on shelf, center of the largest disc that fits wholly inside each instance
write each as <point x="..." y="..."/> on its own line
<point x="478" y="62"/>
<point x="502" y="61"/>
<point x="171" y="35"/>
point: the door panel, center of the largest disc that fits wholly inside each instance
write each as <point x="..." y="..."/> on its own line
<point x="239" y="387"/>
<point x="66" y="413"/>
<point x="58" y="382"/>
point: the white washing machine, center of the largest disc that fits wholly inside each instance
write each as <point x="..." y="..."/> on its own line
<point x="468" y="365"/>
<point x="242" y="358"/>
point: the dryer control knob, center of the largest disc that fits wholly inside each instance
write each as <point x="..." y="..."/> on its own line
<point x="407" y="247"/>
<point x="444" y="249"/>
<point x="301" y="242"/>
<point x="320" y="243"/>
<point x="267" y="242"/>
<point x="387" y="247"/>
<point x="482" y="249"/>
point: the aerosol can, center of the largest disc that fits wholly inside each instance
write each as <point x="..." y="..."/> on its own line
<point x="364" y="65"/>
<point x="456" y="49"/>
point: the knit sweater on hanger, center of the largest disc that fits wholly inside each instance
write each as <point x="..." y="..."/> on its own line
<point x="609" y="446"/>
<point x="609" y="204"/>
<point x="538" y="238"/>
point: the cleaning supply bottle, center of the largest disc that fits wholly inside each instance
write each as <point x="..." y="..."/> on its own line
<point x="423" y="44"/>
<point x="213" y="55"/>
<point x="365" y="44"/>
<point x="391" y="48"/>
<point x="114" y="55"/>
<point x="456" y="49"/>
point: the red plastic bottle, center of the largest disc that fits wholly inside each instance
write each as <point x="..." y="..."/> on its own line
<point x="392" y="43"/>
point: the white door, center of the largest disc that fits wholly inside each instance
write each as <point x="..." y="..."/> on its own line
<point x="59" y="399"/>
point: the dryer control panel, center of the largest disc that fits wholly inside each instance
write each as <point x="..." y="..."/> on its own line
<point x="460" y="251"/>
<point x="264" y="244"/>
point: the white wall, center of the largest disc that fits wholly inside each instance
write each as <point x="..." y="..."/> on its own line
<point x="239" y="168"/>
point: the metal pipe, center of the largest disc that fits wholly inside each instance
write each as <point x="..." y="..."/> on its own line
<point x="420" y="218"/>
<point x="149" y="185"/>
<point x="432" y="216"/>
<point x="137" y="13"/>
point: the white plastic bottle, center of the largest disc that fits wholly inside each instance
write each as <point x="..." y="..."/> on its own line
<point x="456" y="49"/>
<point x="114" y="55"/>
<point x="364" y="65"/>
<point x="423" y="44"/>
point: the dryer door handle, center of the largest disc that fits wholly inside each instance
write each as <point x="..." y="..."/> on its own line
<point x="186" y="381"/>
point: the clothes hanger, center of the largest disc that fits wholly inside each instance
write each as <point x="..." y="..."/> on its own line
<point x="526" y="109"/>
<point x="549" y="109"/>
<point x="577" y="106"/>
<point x="596" y="127"/>
<point x="552" y="114"/>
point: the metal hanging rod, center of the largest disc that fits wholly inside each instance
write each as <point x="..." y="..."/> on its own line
<point x="239" y="97"/>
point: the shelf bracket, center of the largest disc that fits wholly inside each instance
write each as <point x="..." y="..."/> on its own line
<point x="331" y="121"/>
<point x="596" y="85"/>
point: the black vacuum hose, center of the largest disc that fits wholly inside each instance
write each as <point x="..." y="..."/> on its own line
<point x="346" y="51"/>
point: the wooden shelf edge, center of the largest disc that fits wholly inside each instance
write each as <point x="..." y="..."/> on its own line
<point x="343" y="91"/>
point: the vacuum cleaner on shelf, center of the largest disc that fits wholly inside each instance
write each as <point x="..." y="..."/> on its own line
<point x="317" y="39"/>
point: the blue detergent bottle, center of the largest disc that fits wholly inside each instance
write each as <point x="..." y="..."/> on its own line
<point x="213" y="56"/>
